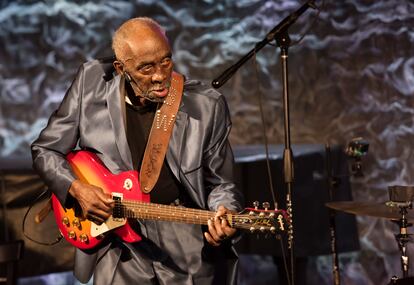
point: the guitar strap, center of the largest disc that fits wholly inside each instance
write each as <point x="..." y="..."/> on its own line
<point x="160" y="134"/>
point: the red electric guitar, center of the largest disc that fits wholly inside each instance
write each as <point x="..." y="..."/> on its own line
<point x="130" y="202"/>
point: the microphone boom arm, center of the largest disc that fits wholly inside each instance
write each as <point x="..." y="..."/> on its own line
<point x="279" y="28"/>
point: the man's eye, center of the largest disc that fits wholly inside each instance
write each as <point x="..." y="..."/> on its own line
<point x="166" y="62"/>
<point x="146" y="68"/>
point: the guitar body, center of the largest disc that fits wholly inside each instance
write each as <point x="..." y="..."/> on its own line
<point x="83" y="233"/>
<point x="131" y="203"/>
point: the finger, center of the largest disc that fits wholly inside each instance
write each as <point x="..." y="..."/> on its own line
<point x="226" y="227"/>
<point x="103" y="207"/>
<point x="221" y="211"/>
<point x="105" y="197"/>
<point x="99" y="214"/>
<point x="210" y="239"/>
<point x="219" y="229"/>
<point x="212" y="231"/>
<point x="95" y="219"/>
<point x="230" y="232"/>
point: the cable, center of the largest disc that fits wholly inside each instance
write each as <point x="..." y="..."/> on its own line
<point x="272" y="190"/>
<point x="269" y="175"/>
<point x="58" y="238"/>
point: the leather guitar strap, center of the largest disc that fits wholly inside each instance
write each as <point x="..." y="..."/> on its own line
<point x="160" y="134"/>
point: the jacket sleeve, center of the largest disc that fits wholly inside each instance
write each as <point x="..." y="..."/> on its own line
<point x="57" y="139"/>
<point x="218" y="163"/>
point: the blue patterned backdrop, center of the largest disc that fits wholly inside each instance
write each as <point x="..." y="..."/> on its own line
<point x="352" y="75"/>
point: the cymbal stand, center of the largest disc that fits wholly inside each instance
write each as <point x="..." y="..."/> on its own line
<point x="403" y="237"/>
<point x="332" y="187"/>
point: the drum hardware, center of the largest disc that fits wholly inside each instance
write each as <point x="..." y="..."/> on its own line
<point x="398" y="209"/>
<point x="355" y="150"/>
<point x="403" y="237"/>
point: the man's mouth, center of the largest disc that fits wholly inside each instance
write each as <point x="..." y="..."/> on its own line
<point x="160" y="93"/>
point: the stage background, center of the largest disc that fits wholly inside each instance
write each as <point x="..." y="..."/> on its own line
<point x="352" y="75"/>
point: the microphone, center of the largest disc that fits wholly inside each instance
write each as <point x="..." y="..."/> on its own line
<point x="128" y="77"/>
<point x="356" y="149"/>
<point x="280" y="28"/>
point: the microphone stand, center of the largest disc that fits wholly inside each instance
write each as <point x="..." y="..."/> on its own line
<point x="283" y="41"/>
<point x="280" y="34"/>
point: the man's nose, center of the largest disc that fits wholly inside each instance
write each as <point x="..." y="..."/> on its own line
<point x="160" y="74"/>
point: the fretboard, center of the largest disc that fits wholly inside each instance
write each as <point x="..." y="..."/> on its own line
<point x="150" y="211"/>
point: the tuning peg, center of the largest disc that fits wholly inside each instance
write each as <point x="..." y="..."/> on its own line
<point x="256" y="204"/>
<point x="266" y="205"/>
<point x="252" y="229"/>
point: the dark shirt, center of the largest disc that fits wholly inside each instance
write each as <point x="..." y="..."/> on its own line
<point x="139" y="122"/>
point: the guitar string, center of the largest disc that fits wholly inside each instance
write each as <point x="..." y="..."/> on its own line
<point x="175" y="208"/>
<point x="183" y="211"/>
<point x="162" y="207"/>
<point x="158" y="211"/>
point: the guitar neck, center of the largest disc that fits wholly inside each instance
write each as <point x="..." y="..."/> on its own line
<point x="150" y="211"/>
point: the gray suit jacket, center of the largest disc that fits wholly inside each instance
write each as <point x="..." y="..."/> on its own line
<point x="92" y="116"/>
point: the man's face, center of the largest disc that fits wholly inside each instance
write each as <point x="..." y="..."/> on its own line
<point x="150" y="66"/>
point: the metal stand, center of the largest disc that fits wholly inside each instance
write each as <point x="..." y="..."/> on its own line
<point x="332" y="184"/>
<point x="402" y="239"/>
<point x="280" y="34"/>
<point x="283" y="41"/>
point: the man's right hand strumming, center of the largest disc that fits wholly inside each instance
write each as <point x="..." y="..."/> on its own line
<point x="95" y="203"/>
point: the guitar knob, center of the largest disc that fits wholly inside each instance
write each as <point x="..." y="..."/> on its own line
<point x="266" y="205"/>
<point x="252" y="229"/>
<point x="262" y="229"/>
<point x="256" y="204"/>
<point x="65" y="221"/>
<point x="272" y="230"/>
<point x="76" y="223"/>
<point x="83" y="238"/>
<point x="72" y="235"/>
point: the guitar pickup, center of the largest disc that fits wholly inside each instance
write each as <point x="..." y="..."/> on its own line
<point x="118" y="211"/>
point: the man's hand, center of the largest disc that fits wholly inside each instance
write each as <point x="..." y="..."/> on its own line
<point x="96" y="205"/>
<point x="218" y="228"/>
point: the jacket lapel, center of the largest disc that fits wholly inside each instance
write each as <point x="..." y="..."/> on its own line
<point x="116" y="106"/>
<point x="175" y="146"/>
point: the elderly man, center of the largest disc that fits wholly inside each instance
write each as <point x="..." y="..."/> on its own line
<point x="117" y="111"/>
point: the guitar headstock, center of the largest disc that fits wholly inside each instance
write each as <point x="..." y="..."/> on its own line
<point x="261" y="220"/>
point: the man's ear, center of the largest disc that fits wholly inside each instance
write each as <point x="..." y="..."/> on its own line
<point x="119" y="67"/>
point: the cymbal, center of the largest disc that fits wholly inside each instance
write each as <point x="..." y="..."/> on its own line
<point x="373" y="209"/>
